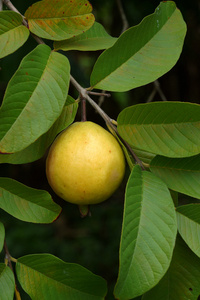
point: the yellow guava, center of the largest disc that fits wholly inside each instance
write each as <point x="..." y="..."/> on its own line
<point x="85" y="164"/>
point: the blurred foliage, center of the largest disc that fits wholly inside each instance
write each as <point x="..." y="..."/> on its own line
<point x="94" y="241"/>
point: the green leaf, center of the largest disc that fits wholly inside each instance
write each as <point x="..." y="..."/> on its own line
<point x="27" y="204"/>
<point x="59" y="19"/>
<point x="60" y="280"/>
<point x="180" y="174"/>
<point x="170" y="129"/>
<point x="34" y="98"/>
<point x="96" y="38"/>
<point x="39" y="147"/>
<point x="148" y="234"/>
<point x="2" y="236"/>
<point x="12" y="33"/>
<point x="7" y="283"/>
<point x="143" y="53"/>
<point x="188" y="219"/>
<point x="182" y="279"/>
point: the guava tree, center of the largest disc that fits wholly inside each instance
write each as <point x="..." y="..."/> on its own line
<point x="160" y="248"/>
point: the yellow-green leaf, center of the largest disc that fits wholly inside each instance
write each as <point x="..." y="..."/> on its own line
<point x="27" y="204"/>
<point x="12" y="33"/>
<point x="7" y="283"/>
<point x="59" y="19"/>
<point x="96" y="38"/>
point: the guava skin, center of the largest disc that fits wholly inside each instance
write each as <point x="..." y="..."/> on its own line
<point x="85" y="164"/>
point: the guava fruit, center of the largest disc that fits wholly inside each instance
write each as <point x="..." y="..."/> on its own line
<point x="85" y="164"/>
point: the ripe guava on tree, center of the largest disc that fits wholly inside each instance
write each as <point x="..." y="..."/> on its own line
<point x="85" y="164"/>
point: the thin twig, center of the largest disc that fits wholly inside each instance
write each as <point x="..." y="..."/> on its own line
<point x="159" y="90"/>
<point x="156" y="89"/>
<point x="123" y="16"/>
<point x="152" y="95"/>
<point x="104" y="94"/>
<point x="8" y="259"/>
<point x="101" y="95"/>
<point x="101" y="99"/>
<point x="1" y="5"/>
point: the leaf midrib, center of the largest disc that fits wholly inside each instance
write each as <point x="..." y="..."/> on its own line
<point x="61" y="18"/>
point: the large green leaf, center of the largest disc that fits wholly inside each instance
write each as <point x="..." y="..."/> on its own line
<point x="143" y="53"/>
<point x="96" y="38"/>
<point x="170" y="129"/>
<point x="34" y="98"/>
<point x="39" y="147"/>
<point x="180" y="174"/>
<point x="7" y="283"/>
<point x="148" y="234"/>
<point x="60" y="280"/>
<point x="188" y="219"/>
<point x="181" y="281"/>
<point x="2" y="236"/>
<point x="12" y="33"/>
<point x="59" y="19"/>
<point x="27" y="204"/>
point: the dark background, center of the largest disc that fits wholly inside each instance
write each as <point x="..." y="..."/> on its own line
<point x="94" y="241"/>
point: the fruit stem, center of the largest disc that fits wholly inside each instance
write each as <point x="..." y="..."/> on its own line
<point x="84" y="95"/>
<point x="83" y="110"/>
<point x="84" y="210"/>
